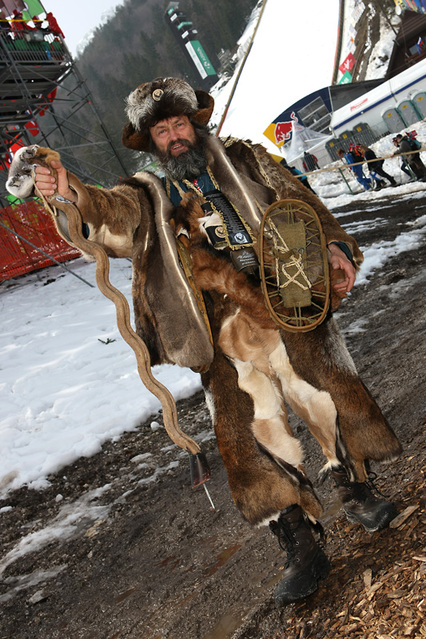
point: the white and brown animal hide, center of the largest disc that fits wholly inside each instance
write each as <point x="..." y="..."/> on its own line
<point x="20" y="182"/>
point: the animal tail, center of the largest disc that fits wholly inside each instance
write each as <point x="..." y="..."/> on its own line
<point x="214" y="273"/>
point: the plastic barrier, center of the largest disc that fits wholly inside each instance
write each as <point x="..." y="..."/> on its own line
<point x="19" y="255"/>
<point x="419" y="101"/>
<point x="393" y="120"/>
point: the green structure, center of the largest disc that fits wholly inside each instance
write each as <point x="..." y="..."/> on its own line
<point x="187" y="36"/>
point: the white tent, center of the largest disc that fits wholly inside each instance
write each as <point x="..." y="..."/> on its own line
<point x="303" y="139"/>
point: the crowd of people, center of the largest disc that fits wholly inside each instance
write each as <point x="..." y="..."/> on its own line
<point x="366" y="167"/>
<point x="408" y="148"/>
<point x="17" y="26"/>
<point x="35" y="39"/>
<point x="359" y="154"/>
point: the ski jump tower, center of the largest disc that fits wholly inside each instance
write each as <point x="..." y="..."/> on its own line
<point x="44" y="99"/>
<point x="187" y="37"/>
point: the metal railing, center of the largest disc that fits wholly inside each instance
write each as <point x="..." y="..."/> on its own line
<point x="32" y="46"/>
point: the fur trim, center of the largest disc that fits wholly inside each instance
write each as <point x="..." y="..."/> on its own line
<point x="159" y="100"/>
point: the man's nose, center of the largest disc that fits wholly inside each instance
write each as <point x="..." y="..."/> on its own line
<point x="173" y="134"/>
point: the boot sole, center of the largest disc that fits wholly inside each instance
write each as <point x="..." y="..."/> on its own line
<point x="318" y="569"/>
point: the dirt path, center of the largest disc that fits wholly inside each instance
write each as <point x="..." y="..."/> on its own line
<point x="117" y="555"/>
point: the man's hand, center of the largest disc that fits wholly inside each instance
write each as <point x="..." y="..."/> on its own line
<point x="338" y="260"/>
<point x="48" y="184"/>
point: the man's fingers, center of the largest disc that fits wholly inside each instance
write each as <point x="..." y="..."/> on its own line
<point x="42" y="170"/>
<point x="45" y="181"/>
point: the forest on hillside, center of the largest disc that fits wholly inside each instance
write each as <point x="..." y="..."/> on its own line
<point x="137" y="45"/>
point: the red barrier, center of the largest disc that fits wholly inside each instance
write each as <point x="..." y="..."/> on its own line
<point x="30" y="221"/>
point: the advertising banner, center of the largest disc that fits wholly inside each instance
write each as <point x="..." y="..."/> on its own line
<point x="200" y="59"/>
<point x="281" y="132"/>
<point x="347" y="63"/>
<point x="346" y="78"/>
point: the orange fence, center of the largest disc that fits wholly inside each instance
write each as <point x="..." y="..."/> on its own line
<point x="38" y="240"/>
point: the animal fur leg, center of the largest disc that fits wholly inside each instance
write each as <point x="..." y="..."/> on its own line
<point x="249" y="432"/>
<point x="260" y="488"/>
<point x="320" y="357"/>
<point x="315" y="407"/>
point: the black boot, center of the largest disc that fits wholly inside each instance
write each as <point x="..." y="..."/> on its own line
<point x="306" y="563"/>
<point x="359" y="503"/>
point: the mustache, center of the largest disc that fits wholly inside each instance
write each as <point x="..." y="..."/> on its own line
<point x="182" y="141"/>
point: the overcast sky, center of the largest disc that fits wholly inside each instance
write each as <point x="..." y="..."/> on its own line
<point x="292" y="55"/>
<point x="297" y="31"/>
<point x="77" y="17"/>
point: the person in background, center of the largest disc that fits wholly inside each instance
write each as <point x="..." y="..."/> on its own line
<point x="375" y="166"/>
<point x="53" y="25"/>
<point x="37" y="22"/>
<point x="352" y="158"/>
<point x="310" y="162"/>
<point x="303" y="178"/>
<point x="410" y="156"/>
<point x="17" y="22"/>
<point x="4" y="23"/>
<point x="405" y="168"/>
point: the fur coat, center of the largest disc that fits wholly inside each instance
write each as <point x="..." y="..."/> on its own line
<point x="133" y="220"/>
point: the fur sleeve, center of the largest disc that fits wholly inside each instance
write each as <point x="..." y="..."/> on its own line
<point x="112" y="215"/>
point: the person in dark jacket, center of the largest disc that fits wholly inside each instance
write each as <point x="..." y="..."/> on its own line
<point x="375" y="166"/>
<point x="310" y="162"/>
<point x="410" y="156"/>
<point x="304" y="180"/>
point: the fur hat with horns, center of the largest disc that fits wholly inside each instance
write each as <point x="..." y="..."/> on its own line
<point x="158" y="100"/>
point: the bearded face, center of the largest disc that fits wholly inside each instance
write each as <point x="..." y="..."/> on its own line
<point x="189" y="164"/>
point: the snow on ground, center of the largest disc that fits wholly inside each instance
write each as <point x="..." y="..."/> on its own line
<point x="64" y="526"/>
<point x="68" y="380"/>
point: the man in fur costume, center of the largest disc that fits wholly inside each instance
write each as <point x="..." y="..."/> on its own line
<point x="250" y="367"/>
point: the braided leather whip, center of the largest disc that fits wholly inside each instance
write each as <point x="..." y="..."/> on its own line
<point x="123" y="321"/>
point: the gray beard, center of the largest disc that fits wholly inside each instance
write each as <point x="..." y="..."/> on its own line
<point x="187" y="165"/>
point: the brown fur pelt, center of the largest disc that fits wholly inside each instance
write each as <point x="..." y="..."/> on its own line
<point x="333" y="371"/>
<point x="45" y="156"/>
<point x="211" y="271"/>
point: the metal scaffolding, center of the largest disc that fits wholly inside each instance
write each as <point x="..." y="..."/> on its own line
<point x="44" y="100"/>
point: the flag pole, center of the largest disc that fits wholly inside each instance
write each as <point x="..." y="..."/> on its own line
<point x="231" y="95"/>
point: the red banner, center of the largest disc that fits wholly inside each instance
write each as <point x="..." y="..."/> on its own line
<point x="30" y="221"/>
<point x="347" y="63"/>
